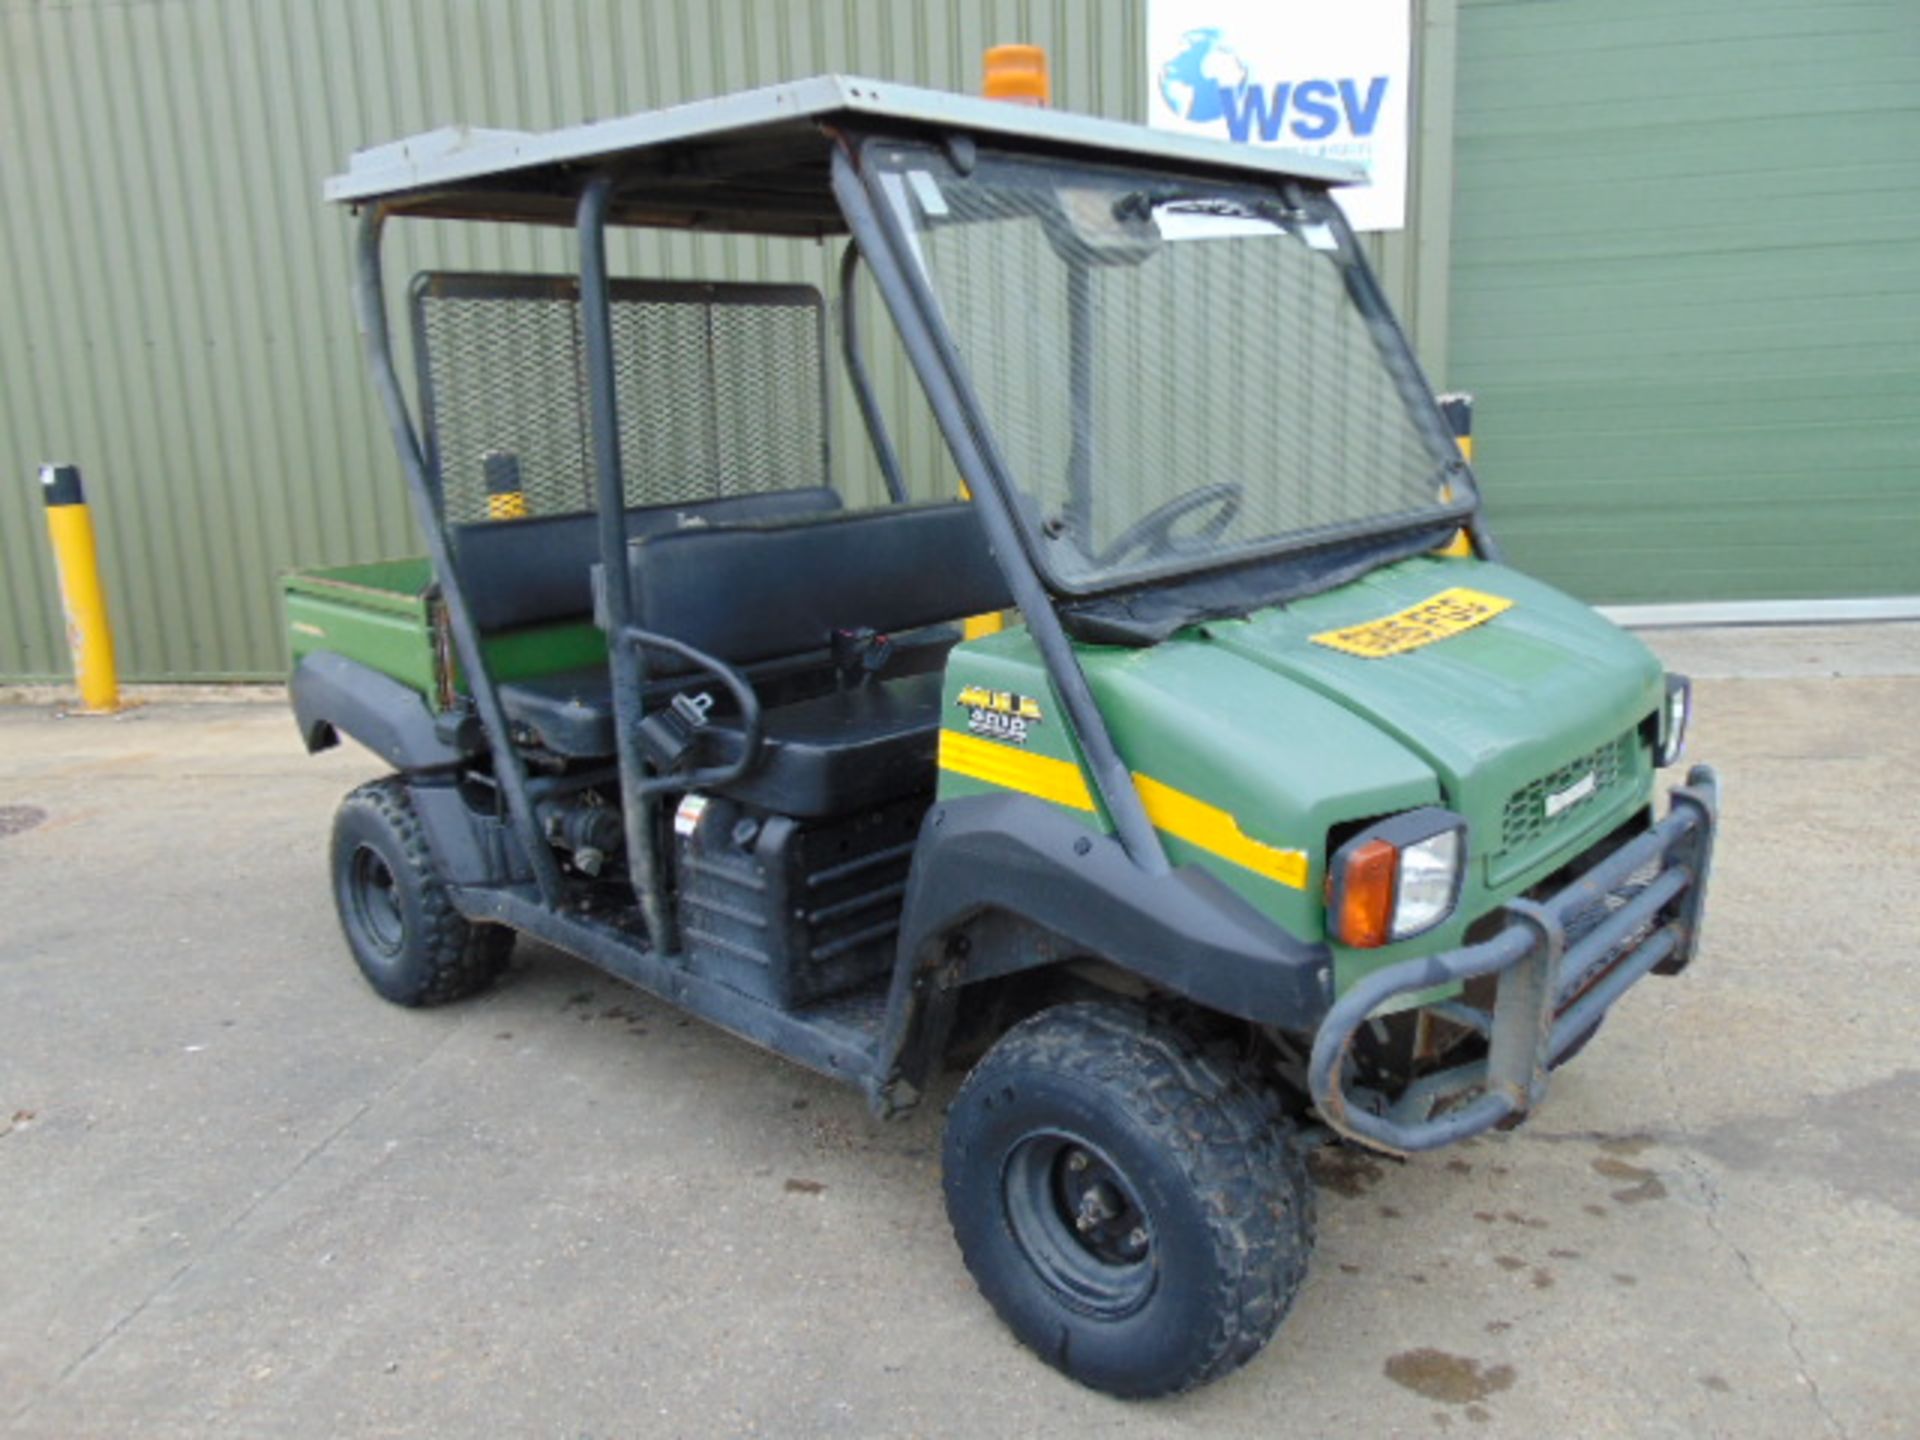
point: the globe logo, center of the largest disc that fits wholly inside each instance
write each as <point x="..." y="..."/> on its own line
<point x="1195" y="84"/>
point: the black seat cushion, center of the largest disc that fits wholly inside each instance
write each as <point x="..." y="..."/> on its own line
<point x="571" y="712"/>
<point x="834" y="753"/>
<point x="846" y="751"/>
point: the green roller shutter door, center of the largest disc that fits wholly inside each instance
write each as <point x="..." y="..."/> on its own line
<point x="1686" y="289"/>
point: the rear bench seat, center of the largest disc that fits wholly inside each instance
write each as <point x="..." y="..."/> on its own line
<point x="769" y="597"/>
<point x="539" y="570"/>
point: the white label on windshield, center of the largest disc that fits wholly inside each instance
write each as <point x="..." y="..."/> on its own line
<point x="896" y="192"/>
<point x="927" y="190"/>
<point x="1184" y="221"/>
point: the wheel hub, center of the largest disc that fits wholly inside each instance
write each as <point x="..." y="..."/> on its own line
<point x="376" y="900"/>
<point x="1076" y="1215"/>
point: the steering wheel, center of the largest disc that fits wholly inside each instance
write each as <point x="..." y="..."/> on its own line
<point x="1152" y="534"/>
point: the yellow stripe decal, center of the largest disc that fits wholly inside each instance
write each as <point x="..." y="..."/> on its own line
<point x="1218" y="833"/>
<point x="1179" y="814"/>
<point x="989" y="761"/>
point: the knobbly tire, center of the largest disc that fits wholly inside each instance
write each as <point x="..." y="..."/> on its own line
<point x="407" y="938"/>
<point x="1130" y="1199"/>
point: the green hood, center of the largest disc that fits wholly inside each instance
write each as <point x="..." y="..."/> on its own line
<point x="1541" y="684"/>
<point x="1296" y="739"/>
<point x="1282" y="741"/>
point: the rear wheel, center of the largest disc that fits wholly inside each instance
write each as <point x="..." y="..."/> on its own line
<point x="1131" y="1203"/>
<point x="411" y="944"/>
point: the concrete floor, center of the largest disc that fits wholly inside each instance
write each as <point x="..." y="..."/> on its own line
<point x="239" y="1196"/>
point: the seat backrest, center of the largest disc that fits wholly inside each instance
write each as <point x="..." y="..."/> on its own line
<point x="750" y="593"/>
<point x="532" y="571"/>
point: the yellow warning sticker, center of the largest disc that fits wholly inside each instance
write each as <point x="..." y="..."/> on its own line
<point x="1447" y="613"/>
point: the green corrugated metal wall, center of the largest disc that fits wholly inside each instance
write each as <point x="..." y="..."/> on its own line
<point x="1686" y="286"/>
<point x="176" y="315"/>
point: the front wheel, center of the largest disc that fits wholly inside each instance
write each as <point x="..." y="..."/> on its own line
<point x="408" y="940"/>
<point x="1132" y="1204"/>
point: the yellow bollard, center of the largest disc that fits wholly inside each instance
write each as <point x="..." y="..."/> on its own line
<point x="77" y="559"/>
<point x="1459" y="412"/>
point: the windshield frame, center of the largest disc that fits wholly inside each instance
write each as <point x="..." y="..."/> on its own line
<point x="1301" y="198"/>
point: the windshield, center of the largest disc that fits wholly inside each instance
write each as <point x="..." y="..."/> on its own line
<point x="1174" y="371"/>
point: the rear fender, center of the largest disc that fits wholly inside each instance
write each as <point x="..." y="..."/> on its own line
<point x="334" y="696"/>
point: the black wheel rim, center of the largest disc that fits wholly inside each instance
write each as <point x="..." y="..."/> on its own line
<point x="1078" y="1218"/>
<point x="375" y="896"/>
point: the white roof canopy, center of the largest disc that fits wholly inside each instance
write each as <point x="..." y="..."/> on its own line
<point x="756" y="160"/>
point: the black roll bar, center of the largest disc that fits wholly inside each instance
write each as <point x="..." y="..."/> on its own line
<point x="855" y="356"/>
<point x="626" y="660"/>
<point x="370" y="306"/>
<point x="916" y="314"/>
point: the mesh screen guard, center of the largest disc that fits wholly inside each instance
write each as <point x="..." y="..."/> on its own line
<point x="721" y="389"/>
<point x="1176" y="373"/>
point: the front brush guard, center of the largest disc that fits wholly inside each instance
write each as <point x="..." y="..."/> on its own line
<point x="1550" y="994"/>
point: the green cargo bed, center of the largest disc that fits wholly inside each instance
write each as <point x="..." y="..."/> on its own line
<point x="385" y="614"/>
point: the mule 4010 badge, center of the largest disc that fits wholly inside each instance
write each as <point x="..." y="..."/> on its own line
<point x="999" y="714"/>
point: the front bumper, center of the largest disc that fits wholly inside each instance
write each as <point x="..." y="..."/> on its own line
<point x="1561" y="963"/>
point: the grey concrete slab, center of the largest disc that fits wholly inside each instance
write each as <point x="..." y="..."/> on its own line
<point x="241" y="1196"/>
<point x="1789" y="652"/>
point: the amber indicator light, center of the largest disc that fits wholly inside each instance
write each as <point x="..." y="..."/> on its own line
<point x="1365" y="919"/>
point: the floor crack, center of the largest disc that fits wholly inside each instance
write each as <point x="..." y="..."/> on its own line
<point x="1715" y="1202"/>
<point x="233" y="1223"/>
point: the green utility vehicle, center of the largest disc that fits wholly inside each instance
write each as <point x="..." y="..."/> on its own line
<point x="1277" y="811"/>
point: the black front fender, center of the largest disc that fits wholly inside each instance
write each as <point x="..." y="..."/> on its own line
<point x="1184" y="932"/>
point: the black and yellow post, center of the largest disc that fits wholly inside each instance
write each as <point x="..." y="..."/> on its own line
<point x="1458" y="410"/>
<point x="77" y="559"/>
<point x="506" y="499"/>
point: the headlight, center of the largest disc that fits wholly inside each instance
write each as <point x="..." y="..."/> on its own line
<point x="1397" y="879"/>
<point x="1673" y="720"/>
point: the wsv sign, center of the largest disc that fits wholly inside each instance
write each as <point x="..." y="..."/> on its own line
<point x="1318" y="107"/>
<point x="1331" y="78"/>
<point x="1207" y="82"/>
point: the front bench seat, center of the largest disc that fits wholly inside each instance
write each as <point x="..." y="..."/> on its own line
<point x="768" y="599"/>
<point x="570" y="712"/>
<point x="750" y="594"/>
